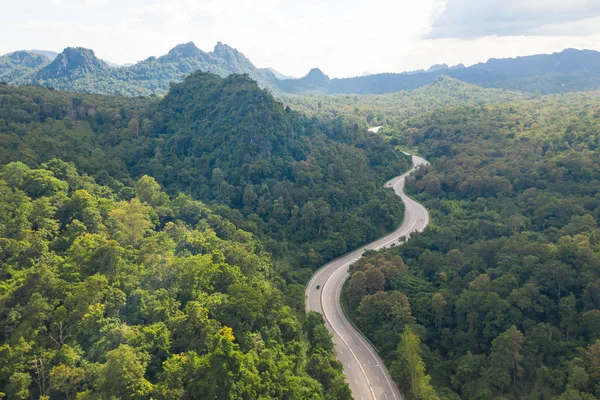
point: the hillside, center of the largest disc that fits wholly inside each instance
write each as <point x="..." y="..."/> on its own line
<point x="14" y="66"/>
<point x="114" y="286"/>
<point x="105" y="295"/>
<point x="392" y="108"/>
<point x="305" y="184"/>
<point x="79" y="70"/>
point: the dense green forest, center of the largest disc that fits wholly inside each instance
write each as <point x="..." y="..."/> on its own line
<point x="393" y="108"/>
<point x="500" y="296"/>
<point x="20" y="63"/>
<point x="144" y="297"/>
<point x="313" y="189"/>
<point x="159" y="247"/>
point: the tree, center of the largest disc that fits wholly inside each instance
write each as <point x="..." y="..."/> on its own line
<point x="123" y="374"/>
<point x="409" y="361"/>
<point x="65" y="379"/>
<point x="568" y="314"/>
<point x="438" y="305"/>
<point x="374" y="280"/>
<point x="506" y="356"/>
<point x="357" y="287"/>
<point x="148" y="191"/>
<point x="18" y="386"/>
<point x="134" y="220"/>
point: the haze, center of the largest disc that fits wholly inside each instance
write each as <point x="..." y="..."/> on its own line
<point x="343" y="38"/>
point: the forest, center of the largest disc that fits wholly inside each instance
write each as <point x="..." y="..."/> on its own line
<point x="500" y="296"/>
<point x="144" y="297"/>
<point x="158" y="248"/>
<point x="391" y="109"/>
<point x="304" y="183"/>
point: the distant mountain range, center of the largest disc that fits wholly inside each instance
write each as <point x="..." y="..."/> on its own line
<point x="567" y="71"/>
<point x="78" y="69"/>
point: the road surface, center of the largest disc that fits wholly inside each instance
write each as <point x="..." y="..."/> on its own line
<point x="365" y="372"/>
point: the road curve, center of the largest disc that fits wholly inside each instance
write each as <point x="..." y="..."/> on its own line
<point x="365" y="372"/>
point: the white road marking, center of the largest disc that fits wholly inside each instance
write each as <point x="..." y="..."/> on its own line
<point x="378" y="380"/>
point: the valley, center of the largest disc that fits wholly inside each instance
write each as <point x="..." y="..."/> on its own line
<point x="192" y="226"/>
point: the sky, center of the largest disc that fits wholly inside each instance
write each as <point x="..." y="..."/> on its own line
<point x="341" y="37"/>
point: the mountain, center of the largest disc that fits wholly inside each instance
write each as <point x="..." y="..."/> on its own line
<point x="18" y="64"/>
<point x="279" y="75"/>
<point x="72" y="63"/>
<point x="441" y="67"/>
<point x="224" y="140"/>
<point x="314" y="82"/>
<point x="78" y="69"/>
<point x="437" y="67"/>
<point x="51" y="55"/>
<point x="566" y="71"/>
<point x="157" y="73"/>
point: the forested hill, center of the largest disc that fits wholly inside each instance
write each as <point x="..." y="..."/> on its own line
<point x="20" y="63"/>
<point x="393" y="108"/>
<point x="306" y="185"/>
<point x="117" y="282"/>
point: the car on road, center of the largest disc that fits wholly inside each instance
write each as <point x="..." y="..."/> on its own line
<point x="318" y="287"/>
<point x="393" y="244"/>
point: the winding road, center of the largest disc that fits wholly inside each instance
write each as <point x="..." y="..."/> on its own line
<point x="365" y="372"/>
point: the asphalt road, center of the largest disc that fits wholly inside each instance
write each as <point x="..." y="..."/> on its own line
<point x="365" y="372"/>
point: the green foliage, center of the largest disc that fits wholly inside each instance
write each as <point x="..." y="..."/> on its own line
<point x="410" y="368"/>
<point x="19" y="64"/>
<point x="392" y="108"/>
<point x="104" y="297"/>
<point x="503" y="285"/>
<point x="311" y="190"/>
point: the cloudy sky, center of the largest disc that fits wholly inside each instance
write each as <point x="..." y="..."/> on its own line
<point x="342" y="37"/>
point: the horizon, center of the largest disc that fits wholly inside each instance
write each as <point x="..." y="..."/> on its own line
<point x="365" y="73"/>
<point x="344" y="39"/>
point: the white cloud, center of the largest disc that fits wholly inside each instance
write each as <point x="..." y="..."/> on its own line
<point x="342" y="37"/>
<point x="474" y="18"/>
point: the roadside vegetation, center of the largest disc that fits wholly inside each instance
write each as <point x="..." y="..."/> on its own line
<point x="503" y="288"/>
